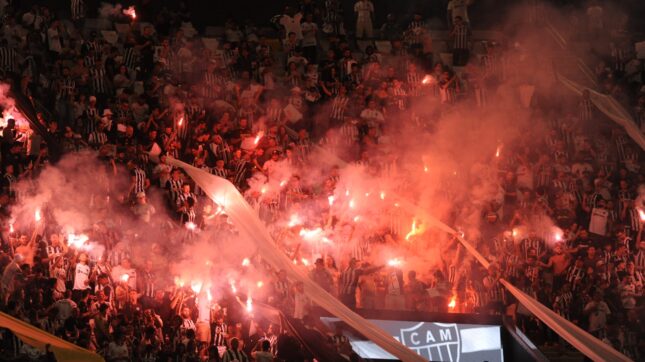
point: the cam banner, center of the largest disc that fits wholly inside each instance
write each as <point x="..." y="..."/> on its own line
<point x="249" y="224"/>
<point x="36" y="337"/>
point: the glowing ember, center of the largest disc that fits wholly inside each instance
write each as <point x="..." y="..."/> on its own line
<point x="191" y="225"/>
<point x="498" y="151"/>
<point x="196" y="286"/>
<point x="394" y="262"/>
<point x="130" y="12"/>
<point x="357" y="218"/>
<point x="249" y="304"/>
<point x="453" y="303"/>
<point x="246" y="262"/>
<point x="311" y="234"/>
<point x="515" y="233"/>
<point x="76" y="241"/>
<point x="11" y="230"/>
<point x="304" y="261"/>
<point x="413" y="230"/>
<point x="382" y="195"/>
<point x="557" y="235"/>
<point x="258" y="137"/>
<point x="260" y="284"/>
<point x="283" y="183"/>
<point x="426" y="169"/>
<point x="347" y="193"/>
<point x="294" y="221"/>
<point x="367" y="194"/>
<point x="125" y="278"/>
<point x="37" y="215"/>
<point x="181" y="122"/>
<point x="428" y="79"/>
<point x="352" y="204"/>
<point x="263" y="190"/>
<point x="331" y="200"/>
<point x="641" y="214"/>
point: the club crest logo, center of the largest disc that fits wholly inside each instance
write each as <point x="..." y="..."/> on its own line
<point x="433" y="341"/>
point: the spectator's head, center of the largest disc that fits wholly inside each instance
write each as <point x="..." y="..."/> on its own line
<point x="235" y="344"/>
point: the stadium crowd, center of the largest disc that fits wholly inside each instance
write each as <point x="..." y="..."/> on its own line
<point x="258" y="107"/>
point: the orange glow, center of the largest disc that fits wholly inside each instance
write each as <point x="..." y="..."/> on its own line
<point x="131" y="12"/>
<point x="413" y="230"/>
<point x="258" y="138"/>
<point x="453" y="303"/>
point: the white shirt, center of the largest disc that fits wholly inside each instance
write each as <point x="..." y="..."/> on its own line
<point x="65" y="308"/>
<point x="598" y="221"/>
<point x="373" y="115"/>
<point x="309" y="34"/>
<point x="598" y="312"/>
<point x="81" y="276"/>
<point x="292" y="25"/>
<point x="364" y="9"/>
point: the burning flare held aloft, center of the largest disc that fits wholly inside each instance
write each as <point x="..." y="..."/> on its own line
<point x="131" y="12"/>
<point x="395" y="262"/>
<point x="453" y="303"/>
<point x="258" y="137"/>
<point x="414" y="230"/>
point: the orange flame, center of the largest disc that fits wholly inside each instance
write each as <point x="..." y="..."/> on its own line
<point x="131" y="12"/>
<point x="258" y="138"/>
<point x="413" y="230"/>
<point x="453" y="303"/>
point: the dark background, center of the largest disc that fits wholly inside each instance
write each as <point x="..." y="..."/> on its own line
<point x="485" y="13"/>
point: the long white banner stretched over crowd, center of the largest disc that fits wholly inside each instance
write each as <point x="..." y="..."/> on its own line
<point x="610" y="107"/>
<point x="591" y="346"/>
<point x="249" y="224"/>
<point x="36" y="337"/>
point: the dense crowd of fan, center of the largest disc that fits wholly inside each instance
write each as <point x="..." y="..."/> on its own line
<point x="255" y="101"/>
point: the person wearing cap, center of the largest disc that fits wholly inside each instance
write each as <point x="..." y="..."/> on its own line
<point x="271" y="167"/>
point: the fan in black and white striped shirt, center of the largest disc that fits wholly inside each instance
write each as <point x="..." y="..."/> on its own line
<point x="235" y="354"/>
<point x="77" y="8"/>
<point x="98" y="78"/>
<point x="8" y="57"/>
<point x="339" y="106"/>
<point x="139" y="182"/>
<point x="460" y="35"/>
<point x="348" y="282"/>
<point x="219" y="169"/>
